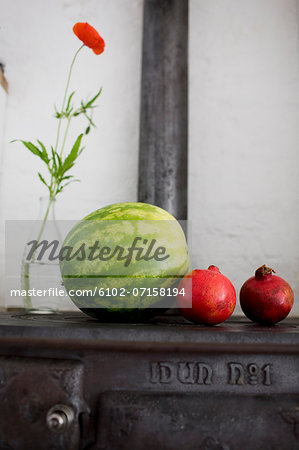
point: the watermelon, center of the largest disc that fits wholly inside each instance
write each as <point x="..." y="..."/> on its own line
<point x="107" y="279"/>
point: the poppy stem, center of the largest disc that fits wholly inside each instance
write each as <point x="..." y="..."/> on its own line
<point x="65" y="135"/>
<point x="65" y="94"/>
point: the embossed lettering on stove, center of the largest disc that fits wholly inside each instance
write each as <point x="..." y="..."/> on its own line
<point x="232" y="373"/>
<point x="184" y="372"/>
<point x="241" y="374"/>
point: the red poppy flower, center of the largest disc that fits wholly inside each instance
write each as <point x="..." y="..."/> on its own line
<point x="90" y="37"/>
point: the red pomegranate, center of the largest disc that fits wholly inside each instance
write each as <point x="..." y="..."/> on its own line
<point x="213" y="296"/>
<point x="266" y="298"/>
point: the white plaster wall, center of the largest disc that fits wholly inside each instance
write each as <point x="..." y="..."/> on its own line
<point x="244" y="137"/>
<point x="243" y="125"/>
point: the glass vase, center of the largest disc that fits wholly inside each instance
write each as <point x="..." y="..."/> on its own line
<point x="40" y="276"/>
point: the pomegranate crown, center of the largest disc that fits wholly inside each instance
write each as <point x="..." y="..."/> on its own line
<point x="263" y="271"/>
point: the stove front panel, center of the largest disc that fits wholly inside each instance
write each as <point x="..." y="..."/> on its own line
<point x="135" y="420"/>
<point x="29" y="389"/>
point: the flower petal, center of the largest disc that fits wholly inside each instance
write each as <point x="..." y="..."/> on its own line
<point x="89" y="36"/>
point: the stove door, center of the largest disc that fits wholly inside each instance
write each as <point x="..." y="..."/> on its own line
<point x="129" y="420"/>
<point x="40" y="400"/>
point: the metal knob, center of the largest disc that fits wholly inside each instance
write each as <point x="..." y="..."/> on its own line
<point x="59" y="417"/>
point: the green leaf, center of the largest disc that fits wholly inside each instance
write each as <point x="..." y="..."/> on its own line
<point x="81" y="150"/>
<point x="87" y="130"/>
<point x="44" y="152"/>
<point x="66" y="184"/>
<point x="57" y="115"/>
<point x="66" y="168"/>
<point x="35" y="150"/>
<point x="32" y="148"/>
<point x="42" y="179"/>
<point x="53" y="157"/>
<point x="88" y="104"/>
<point x="59" y="160"/>
<point x="69" y="160"/>
<point x="89" y="120"/>
<point x="69" y="101"/>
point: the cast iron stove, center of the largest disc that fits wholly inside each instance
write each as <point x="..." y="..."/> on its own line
<point x="69" y="382"/>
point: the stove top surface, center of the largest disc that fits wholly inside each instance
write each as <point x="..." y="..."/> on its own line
<point x="167" y="329"/>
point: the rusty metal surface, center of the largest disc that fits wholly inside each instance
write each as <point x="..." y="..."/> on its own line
<point x="156" y="385"/>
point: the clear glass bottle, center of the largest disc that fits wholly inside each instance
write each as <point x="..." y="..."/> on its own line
<point x="40" y="276"/>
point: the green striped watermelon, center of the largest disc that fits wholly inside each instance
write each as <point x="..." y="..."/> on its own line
<point x="118" y="282"/>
